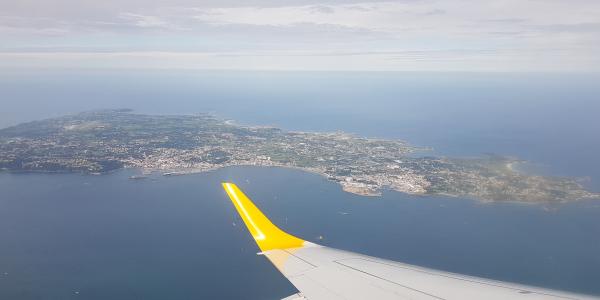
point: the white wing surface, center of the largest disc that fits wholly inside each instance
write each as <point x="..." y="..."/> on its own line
<point x="320" y="272"/>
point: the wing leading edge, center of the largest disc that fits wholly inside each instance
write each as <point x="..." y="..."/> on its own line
<point x="325" y="273"/>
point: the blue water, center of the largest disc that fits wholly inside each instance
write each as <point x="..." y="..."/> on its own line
<point x="108" y="237"/>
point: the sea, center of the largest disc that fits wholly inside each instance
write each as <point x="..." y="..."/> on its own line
<point x="74" y="236"/>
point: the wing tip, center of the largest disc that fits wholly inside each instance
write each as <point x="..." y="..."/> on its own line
<point x="266" y="234"/>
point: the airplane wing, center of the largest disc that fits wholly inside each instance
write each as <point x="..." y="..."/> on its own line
<point x="320" y="272"/>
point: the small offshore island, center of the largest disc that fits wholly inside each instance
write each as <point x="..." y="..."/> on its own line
<point x="101" y="141"/>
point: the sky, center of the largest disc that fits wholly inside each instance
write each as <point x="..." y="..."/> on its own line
<point x="405" y="35"/>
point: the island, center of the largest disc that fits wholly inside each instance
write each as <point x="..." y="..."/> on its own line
<point x="98" y="142"/>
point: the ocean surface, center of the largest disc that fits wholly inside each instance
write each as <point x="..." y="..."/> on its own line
<point x="71" y="236"/>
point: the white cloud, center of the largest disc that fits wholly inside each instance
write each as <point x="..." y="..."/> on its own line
<point x="448" y="34"/>
<point x="144" y="21"/>
<point x="321" y="9"/>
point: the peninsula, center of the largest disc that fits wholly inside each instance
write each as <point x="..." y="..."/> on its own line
<point x="101" y="141"/>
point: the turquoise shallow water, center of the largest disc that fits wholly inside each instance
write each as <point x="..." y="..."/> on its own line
<point x="108" y="237"/>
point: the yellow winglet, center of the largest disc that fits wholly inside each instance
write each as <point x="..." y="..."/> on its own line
<point x="266" y="234"/>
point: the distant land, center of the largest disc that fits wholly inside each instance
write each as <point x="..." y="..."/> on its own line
<point x="102" y="141"/>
